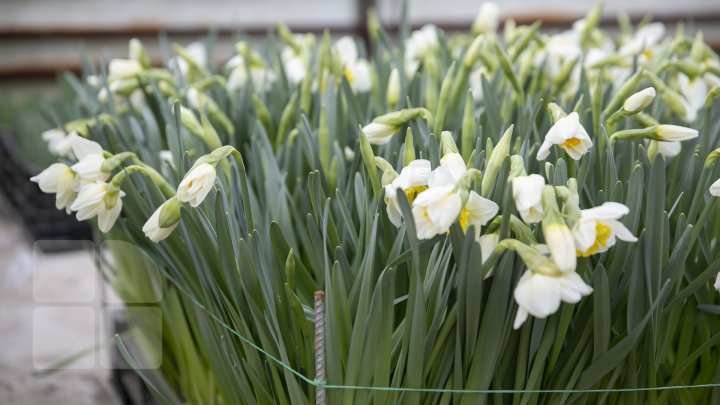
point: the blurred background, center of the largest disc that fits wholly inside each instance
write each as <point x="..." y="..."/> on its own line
<point x="40" y="39"/>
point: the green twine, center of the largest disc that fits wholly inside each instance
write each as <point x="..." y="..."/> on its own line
<point x="325" y="385"/>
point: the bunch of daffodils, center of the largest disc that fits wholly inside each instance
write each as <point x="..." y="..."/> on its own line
<point x="506" y="208"/>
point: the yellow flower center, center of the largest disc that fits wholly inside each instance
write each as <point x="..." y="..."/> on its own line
<point x="602" y="234"/>
<point x="413" y="192"/>
<point x="349" y="76"/>
<point x="464" y="219"/>
<point x="571" y="143"/>
<point x="648" y="53"/>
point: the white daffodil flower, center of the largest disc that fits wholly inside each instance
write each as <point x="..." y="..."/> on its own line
<point x="669" y="132"/>
<point x="60" y="179"/>
<point x="477" y="212"/>
<point x="644" y="41"/>
<point x="90" y="160"/>
<point x="639" y="101"/>
<point x="154" y="231"/>
<point x="597" y="228"/>
<point x="435" y="209"/>
<point x="101" y="200"/>
<point x="197" y="52"/>
<point x="475" y="82"/>
<point x="527" y="193"/>
<point x="695" y="92"/>
<point x="294" y="65"/>
<point x="355" y="70"/>
<point x="419" y="46"/>
<point x="669" y="149"/>
<point x="540" y="295"/>
<point x="560" y="243"/>
<point x="570" y="135"/>
<point x="119" y="69"/>
<point x="196" y="184"/>
<point x="487" y="19"/>
<point x="378" y="133"/>
<point x="413" y="180"/>
<point x="59" y="144"/>
<point x="715" y="188"/>
<point x="261" y="78"/>
<point x="346" y="50"/>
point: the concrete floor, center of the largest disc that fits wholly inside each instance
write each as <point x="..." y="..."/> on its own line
<point x="50" y="309"/>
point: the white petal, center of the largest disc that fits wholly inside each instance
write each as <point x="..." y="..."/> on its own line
<point x="82" y="147"/>
<point x="520" y="318"/>
<point x="539" y="295"/>
<point x="561" y="243"/>
<point x="715" y="188"/>
<point x="608" y="210"/>
<point x="454" y="164"/>
<point x="480" y="210"/>
<point x="584" y="232"/>
<point x="621" y="231"/>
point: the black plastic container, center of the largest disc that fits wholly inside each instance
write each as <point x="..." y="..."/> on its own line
<point x="35" y="208"/>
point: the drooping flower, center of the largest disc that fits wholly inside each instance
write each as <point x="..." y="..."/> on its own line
<point x="196" y="184"/>
<point x="153" y="228"/>
<point x="540" y="295"/>
<point x="413" y="180"/>
<point x="60" y="179"/>
<point x="598" y="227"/>
<point x="99" y="199"/>
<point x="90" y="160"/>
<point x="570" y="135"/>
<point x="527" y="193"/>
<point x="58" y="142"/>
<point x="488" y="243"/>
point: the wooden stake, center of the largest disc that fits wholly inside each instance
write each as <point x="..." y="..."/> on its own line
<point x="320" y="346"/>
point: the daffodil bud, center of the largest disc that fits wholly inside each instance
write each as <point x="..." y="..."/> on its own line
<point x="639" y="101"/>
<point x="487" y="19"/>
<point x="557" y="234"/>
<point x="137" y="52"/>
<point x="517" y="167"/>
<point x="495" y="161"/>
<point x="383" y="127"/>
<point x="393" y="88"/>
<point x="389" y="173"/>
<point x="533" y="259"/>
<point x="447" y="143"/>
<point x="409" y="152"/>
<point x="189" y="121"/>
<point x="666" y="132"/>
<point x="169" y="212"/>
